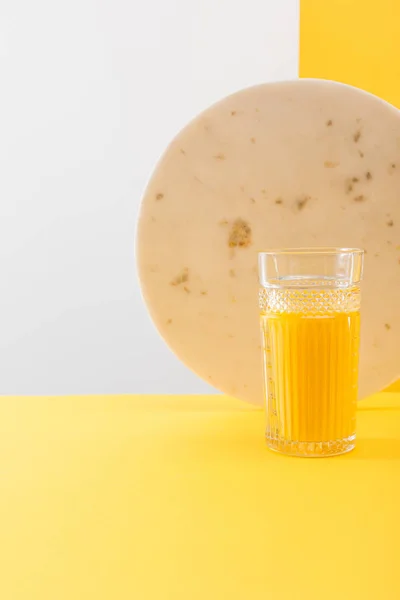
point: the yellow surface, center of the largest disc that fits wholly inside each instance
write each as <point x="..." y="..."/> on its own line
<point x="170" y="498"/>
<point x="353" y="41"/>
<point x="394" y="387"/>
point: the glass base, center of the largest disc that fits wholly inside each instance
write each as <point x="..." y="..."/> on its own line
<point x="311" y="449"/>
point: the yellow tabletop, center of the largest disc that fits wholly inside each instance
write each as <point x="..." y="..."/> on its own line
<point x="170" y="498"/>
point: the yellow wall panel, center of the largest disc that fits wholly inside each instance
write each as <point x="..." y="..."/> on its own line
<point x="355" y="42"/>
<point x="352" y="41"/>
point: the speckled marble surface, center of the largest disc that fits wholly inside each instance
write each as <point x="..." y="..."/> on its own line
<point x="303" y="163"/>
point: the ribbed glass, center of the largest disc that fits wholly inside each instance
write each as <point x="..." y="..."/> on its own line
<point x="310" y="326"/>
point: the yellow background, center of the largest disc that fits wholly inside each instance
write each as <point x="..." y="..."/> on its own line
<point x="177" y="498"/>
<point x="355" y="42"/>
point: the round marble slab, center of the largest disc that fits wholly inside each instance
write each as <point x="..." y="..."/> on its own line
<point x="302" y="163"/>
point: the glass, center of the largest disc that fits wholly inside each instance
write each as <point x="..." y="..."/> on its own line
<point x="310" y="323"/>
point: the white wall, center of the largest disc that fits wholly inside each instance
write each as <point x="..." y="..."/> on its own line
<point x="91" y="93"/>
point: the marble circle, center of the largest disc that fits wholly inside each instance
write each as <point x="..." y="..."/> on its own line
<point x="302" y="163"/>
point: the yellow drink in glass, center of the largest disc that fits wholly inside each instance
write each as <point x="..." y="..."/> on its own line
<point x="311" y="363"/>
<point x="310" y="338"/>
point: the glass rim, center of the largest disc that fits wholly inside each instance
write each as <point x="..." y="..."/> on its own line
<point x="316" y="250"/>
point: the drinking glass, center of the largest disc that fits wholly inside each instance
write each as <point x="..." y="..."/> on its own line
<point x="310" y="322"/>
